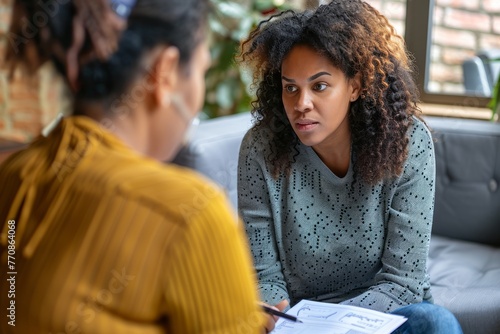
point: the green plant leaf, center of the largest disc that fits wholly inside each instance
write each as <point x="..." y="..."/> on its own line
<point x="232" y="10"/>
<point x="217" y="27"/>
<point x="246" y="24"/>
<point x="495" y="99"/>
<point x="493" y="104"/>
<point x="227" y="85"/>
<point x="262" y="5"/>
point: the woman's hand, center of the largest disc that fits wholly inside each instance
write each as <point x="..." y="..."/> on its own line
<point x="271" y="319"/>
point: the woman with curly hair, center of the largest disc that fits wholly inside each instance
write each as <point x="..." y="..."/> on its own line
<point x="336" y="178"/>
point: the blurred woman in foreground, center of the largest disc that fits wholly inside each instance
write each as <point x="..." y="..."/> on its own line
<point x="104" y="238"/>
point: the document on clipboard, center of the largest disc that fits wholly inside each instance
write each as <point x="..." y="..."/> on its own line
<point x="326" y="318"/>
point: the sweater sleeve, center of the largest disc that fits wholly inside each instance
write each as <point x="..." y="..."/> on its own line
<point x="408" y="230"/>
<point x="255" y="208"/>
<point x="211" y="286"/>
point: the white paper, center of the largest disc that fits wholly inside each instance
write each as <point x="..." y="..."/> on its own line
<point x="327" y="318"/>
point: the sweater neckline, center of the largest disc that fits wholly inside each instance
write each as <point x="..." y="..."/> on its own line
<point x="323" y="168"/>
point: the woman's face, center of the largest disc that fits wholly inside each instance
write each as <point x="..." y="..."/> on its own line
<point x="186" y="101"/>
<point x="316" y="96"/>
<point x="192" y="79"/>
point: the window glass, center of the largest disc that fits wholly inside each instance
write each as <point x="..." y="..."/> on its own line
<point x="394" y="10"/>
<point x="465" y="34"/>
<point x="450" y="41"/>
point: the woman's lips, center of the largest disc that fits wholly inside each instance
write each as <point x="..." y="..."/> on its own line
<point x="306" y="125"/>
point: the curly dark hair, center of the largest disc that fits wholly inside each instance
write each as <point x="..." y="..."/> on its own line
<point x="110" y="55"/>
<point x="357" y="39"/>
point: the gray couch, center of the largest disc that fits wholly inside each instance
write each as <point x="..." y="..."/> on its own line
<point x="464" y="259"/>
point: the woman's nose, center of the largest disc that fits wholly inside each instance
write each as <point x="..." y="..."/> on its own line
<point x="304" y="102"/>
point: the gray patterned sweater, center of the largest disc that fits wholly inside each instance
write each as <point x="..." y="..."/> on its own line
<point x="312" y="236"/>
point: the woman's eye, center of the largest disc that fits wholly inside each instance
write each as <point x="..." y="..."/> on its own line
<point x="290" y="89"/>
<point x="320" y="86"/>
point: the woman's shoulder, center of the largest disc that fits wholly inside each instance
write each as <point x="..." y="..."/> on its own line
<point x="420" y="144"/>
<point x="256" y="141"/>
<point x="419" y="133"/>
<point x="419" y="128"/>
<point x="168" y="186"/>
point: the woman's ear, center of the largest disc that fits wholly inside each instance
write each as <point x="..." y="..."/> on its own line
<point x="356" y="86"/>
<point x="165" y="74"/>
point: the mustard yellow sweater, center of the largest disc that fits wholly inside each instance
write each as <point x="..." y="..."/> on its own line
<point x="103" y="240"/>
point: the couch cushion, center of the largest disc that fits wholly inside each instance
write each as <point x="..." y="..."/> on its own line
<point x="467" y="202"/>
<point x="465" y="278"/>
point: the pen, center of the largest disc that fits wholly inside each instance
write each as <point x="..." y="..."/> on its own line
<point x="280" y="314"/>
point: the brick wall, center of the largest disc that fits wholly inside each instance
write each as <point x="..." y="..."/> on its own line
<point x="394" y="10"/>
<point x="27" y="102"/>
<point x="461" y="28"/>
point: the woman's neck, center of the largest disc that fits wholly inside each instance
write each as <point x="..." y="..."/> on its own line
<point x="126" y="126"/>
<point x="338" y="159"/>
<point x="335" y="151"/>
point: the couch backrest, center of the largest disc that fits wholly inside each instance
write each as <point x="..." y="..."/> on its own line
<point x="214" y="149"/>
<point x="480" y="72"/>
<point x="467" y="202"/>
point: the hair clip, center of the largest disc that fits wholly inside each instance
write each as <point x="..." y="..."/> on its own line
<point x="122" y="8"/>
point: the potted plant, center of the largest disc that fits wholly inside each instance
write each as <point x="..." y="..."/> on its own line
<point x="227" y="84"/>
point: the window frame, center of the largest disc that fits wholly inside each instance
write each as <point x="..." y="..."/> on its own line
<point x="418" y="38"/>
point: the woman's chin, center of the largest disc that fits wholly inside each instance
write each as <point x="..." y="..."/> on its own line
<point x="307" y="140"/>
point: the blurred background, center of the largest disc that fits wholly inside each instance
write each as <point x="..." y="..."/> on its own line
<point x="456" y="44"/>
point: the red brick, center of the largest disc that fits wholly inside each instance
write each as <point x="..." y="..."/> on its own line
<point x="453" y="88"/>
<point x="467" y="4"/>
<point x="438" y="16"/>
<point x="455" y="38"/>
<point x="20" y="136"/>
<point x="30" y="128"/>
<point x="377" y="4"/>
<point x="445" y="88"/>
<point x="496" y="25"/>
<point x="435" y="53"/>
<point x="399" y="26"/>
<point x="456" y="56"/>
<point x="444" y="73"/>
<point x="433" y="87"/>
<point x="465" y="20"/>
<point x="491" y="6"/>
<point x="22" y="91"/>
<point x="394" y="10"/>
<point x="488" y="41"/>
<point x="18" y="111"/>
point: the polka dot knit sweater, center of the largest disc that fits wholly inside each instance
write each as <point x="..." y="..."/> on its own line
<point x="313" y="236"/>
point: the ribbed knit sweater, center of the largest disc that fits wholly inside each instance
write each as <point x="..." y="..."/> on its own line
<point x="109" y="241"/>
